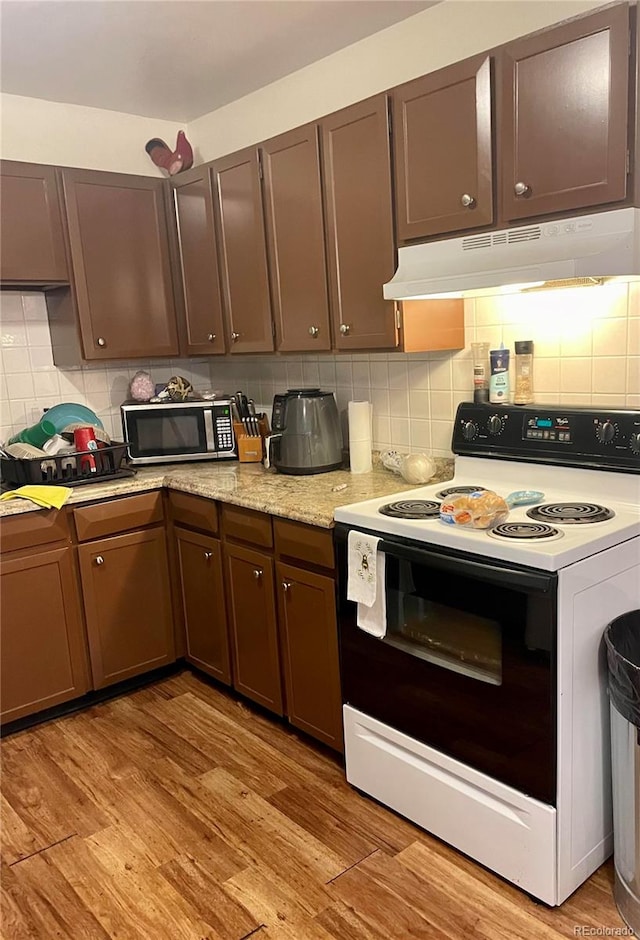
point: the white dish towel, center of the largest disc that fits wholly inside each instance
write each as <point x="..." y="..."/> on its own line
<point x="366" y="582"/>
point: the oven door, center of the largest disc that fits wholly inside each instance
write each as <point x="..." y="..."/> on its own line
<point x="468" y="661"/>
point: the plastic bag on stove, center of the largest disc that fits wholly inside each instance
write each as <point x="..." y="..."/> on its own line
<point x="480" y="510"/>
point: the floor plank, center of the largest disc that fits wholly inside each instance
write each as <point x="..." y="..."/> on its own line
<point x="179" y="812"/>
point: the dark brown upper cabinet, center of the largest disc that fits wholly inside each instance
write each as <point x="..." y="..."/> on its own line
<point x="443" y="151"/>
<point x="295" y="240"/>
<point x="202" y="325"/>
<point x="119" y="247"/>
<point x="31" y="224"/>
<point x="359" y="221"/>
<point x="243" y="251"/>
<point x="564" y="116"/>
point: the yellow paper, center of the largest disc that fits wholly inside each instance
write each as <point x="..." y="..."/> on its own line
<point x="49" y="497"/>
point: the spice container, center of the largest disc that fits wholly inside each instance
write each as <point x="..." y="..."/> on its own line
<point x="480" y="372"/>
<point x="524" y="372"/>
<point x="499" y="381"/>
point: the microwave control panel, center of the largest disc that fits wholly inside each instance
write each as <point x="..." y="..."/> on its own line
<point x="567" y="435"/>
<point x="224" y="439"/>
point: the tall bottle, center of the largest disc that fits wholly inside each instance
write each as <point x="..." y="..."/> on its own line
<point x="480" y="372"/>
<point x="499" y="381"/>
<point x="524" y="372"/>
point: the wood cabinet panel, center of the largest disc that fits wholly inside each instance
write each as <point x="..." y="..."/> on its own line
<point x="304" y="542"/>
<point x="295" y="240"/>
<point x="121" y="266"/>
<point x="243" y="252"/>
<point x="247" y="525"/>
<point x="251" y="604"/>
<point x="307" y="607"/>
<point x="118" y="515"/>
<point x="125" y="583"/>
<point x="196" y="512"/>
<point x="205" y="616"/>
<point x="44" y="659"/>
<point x="359" y="220"/>
<point x="198" y="260"/>
<point x="31" y="223"/>
<point x="443" y="151"/>
<point x="564" y="116"/>
<point x="29" y="529"/>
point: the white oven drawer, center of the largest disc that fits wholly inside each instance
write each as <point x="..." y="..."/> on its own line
<point x="512" y="834"/>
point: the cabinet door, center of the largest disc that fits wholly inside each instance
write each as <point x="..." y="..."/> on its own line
<point x="31" y="224"/>
<point x="121" y="268"/>
<point x="307" y="604"/>
<point x="254" y="636"/>
<point x="125" y="582"/>
<point x="564" y="116"/>
<point x="202" y="593"/>
<point x="359" y="219"/>
<point x="44" y="659"/>
<point x="295" y="240"/>
<point x="193" y="203"/>
<point x="243" y="252"/>
<point x="442" y="145"/>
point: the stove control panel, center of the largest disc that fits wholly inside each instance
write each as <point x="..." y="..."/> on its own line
<point x="568" y="435"/>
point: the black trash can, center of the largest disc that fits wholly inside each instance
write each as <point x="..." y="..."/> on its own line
<point x="622" y="638"/>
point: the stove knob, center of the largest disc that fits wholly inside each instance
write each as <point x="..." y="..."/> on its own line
<point x="606" y="432"/>
<point x="495" y="424"/>
<point x="469" y="430"/>
<point x="634" y="443"/>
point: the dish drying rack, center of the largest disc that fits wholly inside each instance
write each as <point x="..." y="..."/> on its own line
<point x="71" y="469"/>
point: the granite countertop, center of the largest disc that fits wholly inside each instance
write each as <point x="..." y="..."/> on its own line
<point x="312" y="499"/>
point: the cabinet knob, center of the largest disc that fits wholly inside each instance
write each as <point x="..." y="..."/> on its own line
<point x="101" y="341"/>
<point x="522" y="189"/>
<point x="257" y="573"/>
<point x="211" y="337"/>
<point x="313" y="331"/>
<point x="235" y="337"/>
<point x="344" y="329"/>
<point x="208" y="556"/>
<point x="99" y="560"/>
<point x="467" y="201"/>
<point x="286" y="586"/>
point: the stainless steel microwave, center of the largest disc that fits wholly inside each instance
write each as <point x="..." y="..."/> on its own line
<point x="168" y="432"/>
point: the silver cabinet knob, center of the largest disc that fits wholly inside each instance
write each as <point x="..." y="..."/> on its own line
<point x="208" y="556"/>
<point x="211" y="337"/>
<point x="101" y="341"/>
<point x="344" y="329"/>
<point x="313" y="331"/>
<point x="286" y="585"/>
<point x="467" y="201"/>
<point x="522" y="189"/>
<point x="257" y="573"/>
<point x="235" y="337"/>
<point x="99" y="560"/>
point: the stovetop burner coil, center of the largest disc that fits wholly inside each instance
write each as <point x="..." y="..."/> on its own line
<point x="570" y="513"/>
<point x="459" y="489"/>
<point x="412" y="509"/>
<point x="525" y="531"/>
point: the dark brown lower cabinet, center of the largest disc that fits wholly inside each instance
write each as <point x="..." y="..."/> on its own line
<point x="202" y="594"/>
<point x="125" y="582"/>
<point x="307" y="607"/>
<point x="251" y="604"/>
<point x="44" y="659"/>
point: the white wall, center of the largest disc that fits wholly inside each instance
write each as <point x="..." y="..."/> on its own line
<point x="39" y="131"/>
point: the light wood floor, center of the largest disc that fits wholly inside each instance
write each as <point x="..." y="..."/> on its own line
<point x="178" y="812"/>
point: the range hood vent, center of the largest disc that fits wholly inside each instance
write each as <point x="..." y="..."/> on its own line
<point x="601" y="245"/>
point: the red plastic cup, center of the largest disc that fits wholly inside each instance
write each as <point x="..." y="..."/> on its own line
<point x="84" y="439"/>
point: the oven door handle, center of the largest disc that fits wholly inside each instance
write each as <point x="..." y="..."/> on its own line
<point x="491" y="572"/>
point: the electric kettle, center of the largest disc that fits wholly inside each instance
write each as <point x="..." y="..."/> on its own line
<point x="306" y="434"/>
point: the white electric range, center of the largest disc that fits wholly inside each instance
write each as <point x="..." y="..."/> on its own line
<point x="482" y="714"/>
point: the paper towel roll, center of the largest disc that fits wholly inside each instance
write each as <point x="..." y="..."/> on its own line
<point x="360" y="419"/>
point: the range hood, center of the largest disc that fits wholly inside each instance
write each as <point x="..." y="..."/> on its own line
<point x="601" y="245"/>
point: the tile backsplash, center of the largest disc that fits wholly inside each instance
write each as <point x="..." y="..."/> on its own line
<point x="586" y="351"/>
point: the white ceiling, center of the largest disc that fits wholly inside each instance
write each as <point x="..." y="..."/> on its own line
<point x="174" y="59"/>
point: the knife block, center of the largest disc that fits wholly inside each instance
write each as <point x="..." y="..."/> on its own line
<point x="251" y="449"/>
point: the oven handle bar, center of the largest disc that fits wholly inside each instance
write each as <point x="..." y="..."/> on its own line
<point x="491" y="572"/>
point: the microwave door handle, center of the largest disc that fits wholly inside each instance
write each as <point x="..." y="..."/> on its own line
<point x="492" y="572"/>
<point x="208" y="430"/>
